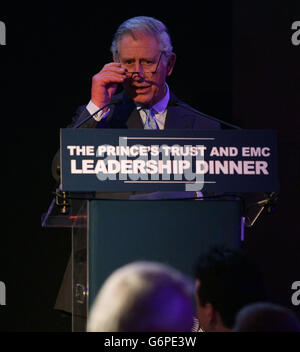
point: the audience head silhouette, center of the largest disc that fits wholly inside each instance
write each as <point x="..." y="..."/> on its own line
<point x="266" y="317"/>
<point x="226" y="281"/>
<point x="143" y="296"/>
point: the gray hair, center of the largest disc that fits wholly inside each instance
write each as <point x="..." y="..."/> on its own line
<point x="143" y="296"/>
<point x="144" y="25"/>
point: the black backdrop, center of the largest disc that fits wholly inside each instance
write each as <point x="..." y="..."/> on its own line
<point x="235" y="60"/>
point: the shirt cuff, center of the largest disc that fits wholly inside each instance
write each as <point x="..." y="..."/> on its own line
<point x="92" y="108"/>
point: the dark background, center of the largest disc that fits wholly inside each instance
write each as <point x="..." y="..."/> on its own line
<point x="235" y="61"/>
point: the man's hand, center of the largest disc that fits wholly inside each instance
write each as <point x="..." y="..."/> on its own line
<point x="105" y="83"/>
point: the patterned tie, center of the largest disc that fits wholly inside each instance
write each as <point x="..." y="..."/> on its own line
<point x="150" y="123"/>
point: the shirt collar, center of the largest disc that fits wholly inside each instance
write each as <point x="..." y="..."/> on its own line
<point x="160" y="106"/>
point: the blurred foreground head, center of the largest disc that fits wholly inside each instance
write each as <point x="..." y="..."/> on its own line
<point x="266" y="317"/>
<point x="143" y="296"/>
<point x="226" y="281"/>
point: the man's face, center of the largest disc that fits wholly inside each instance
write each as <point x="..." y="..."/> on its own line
<point x="136" y="54"/>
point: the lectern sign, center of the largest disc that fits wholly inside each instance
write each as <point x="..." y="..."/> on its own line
<point x="168" y="160"/>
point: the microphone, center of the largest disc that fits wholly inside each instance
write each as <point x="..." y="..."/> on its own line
<point x="269" y="203"/>
<point x="115" y="101"/>
<point x="187" y="107"/>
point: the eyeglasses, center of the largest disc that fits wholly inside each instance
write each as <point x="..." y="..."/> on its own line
<point x="148" y="67"/>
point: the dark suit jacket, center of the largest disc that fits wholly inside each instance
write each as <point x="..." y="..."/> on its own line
<point x="125" y="115"/>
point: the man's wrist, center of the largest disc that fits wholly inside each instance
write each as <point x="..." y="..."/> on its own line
<point x="92" y="108"/>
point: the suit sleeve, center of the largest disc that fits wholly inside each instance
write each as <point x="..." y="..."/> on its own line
<point x="80" y="114"/>
<point x="203" y="123"/>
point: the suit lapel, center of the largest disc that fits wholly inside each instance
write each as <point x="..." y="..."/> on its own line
<point x="134" y="120"/>
<point x="126" y="115"/>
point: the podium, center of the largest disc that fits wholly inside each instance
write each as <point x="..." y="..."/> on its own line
<point x="109" y="233"/>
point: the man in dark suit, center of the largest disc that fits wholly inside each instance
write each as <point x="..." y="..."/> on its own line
<point x="143" y="58"/>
